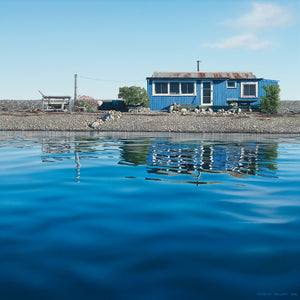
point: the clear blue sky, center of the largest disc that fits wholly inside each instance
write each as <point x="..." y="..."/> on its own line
<point x="45" y="42"/>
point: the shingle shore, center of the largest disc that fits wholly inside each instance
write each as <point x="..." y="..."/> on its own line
<point x="154" y="122"/>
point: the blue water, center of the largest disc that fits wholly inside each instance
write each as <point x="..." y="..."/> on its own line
<point x="121" y="216"/>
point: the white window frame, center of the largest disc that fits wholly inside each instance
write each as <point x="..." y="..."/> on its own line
<point x="169" y="88"/>
<point x="173" y="95"/>
<point x="256" y="89"/>
<point x="231" y="87"/>
<point x="190" y="94"/>
<point x="211" y="93"/>
<point x="159" y="94"/>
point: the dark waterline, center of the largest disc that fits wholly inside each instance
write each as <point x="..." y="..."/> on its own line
<point x="147" y="216"/>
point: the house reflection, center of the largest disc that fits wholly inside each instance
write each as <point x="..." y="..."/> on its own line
<point x="76" y="148"/>
<point x="55" y="147"/>
<point x="236" y="159"/>
<point x="135" y="152"/>
<point x="163" y="157"/>
<point x="52" y="148"/>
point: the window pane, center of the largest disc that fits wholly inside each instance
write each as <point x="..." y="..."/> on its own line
<point x="161" y="88"/>
<point x="250" y="90"/>
<point x="187" y="88"/>
<point x="231" y="84"/>
<point x="206" y="99"/>
<point x="164" y="89"/>
<point x="206" y="92"/>
<point x="174" y="88"/>
<point x="184" y="88"/>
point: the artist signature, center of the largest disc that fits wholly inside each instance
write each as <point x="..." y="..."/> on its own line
<point x="291" y="294"/>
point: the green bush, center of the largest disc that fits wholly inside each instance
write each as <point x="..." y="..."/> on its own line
<point x="270" y="103"/>
<point x="87" y="102"/>
<point x="134" y="95"/>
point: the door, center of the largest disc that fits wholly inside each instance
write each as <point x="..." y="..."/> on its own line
<point x="207" y="93"/>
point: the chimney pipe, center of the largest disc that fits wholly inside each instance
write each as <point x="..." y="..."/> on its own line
<point x="198" y="65"/>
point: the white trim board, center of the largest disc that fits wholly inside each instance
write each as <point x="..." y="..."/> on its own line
<point x="211" y="92"/>
<point x="173" y="95"/>
<point x="256" y="89"/>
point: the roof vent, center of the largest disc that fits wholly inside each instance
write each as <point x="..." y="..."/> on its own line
<point x="198" y="65"/>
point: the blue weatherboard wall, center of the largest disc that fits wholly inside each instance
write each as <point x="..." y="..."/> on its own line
<point x="164" y="102"/>
<point x="261" y="83"/>
<point x="220" y="93"/>
<point x="235" y="93"/>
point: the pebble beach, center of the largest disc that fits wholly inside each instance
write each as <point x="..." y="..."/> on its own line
<point x="245" y="122"/>
<point x="27" y="116"/>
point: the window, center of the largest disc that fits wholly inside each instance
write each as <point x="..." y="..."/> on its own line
<point x="187" y="88"/>
<point x="249" y="90"/>
<point x="174" y="88"/>
<point x="161" y="88"/>
<point x="206" y="93"/>
<point x="231" y="84"/>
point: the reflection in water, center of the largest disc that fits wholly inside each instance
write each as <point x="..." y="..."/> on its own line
<point x="78" y="165"/>
<point x="135" y="152"/>
<point x="236" y="159"/>
<point x="165" y="158"/>
<point x="173" y="241"/>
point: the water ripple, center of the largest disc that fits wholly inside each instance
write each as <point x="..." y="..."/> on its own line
<point x="148" y="217"/>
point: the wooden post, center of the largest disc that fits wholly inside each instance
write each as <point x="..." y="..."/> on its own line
<point x="75" y="90"/>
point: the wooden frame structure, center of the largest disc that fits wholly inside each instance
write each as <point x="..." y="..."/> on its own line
<point x="56" y="103"/>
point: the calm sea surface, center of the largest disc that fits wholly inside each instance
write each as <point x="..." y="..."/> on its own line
<point x="128" y="216"/>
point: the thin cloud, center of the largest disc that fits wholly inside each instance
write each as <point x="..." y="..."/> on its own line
<point x="245" y="41"/>
<point x="264" y="16"/>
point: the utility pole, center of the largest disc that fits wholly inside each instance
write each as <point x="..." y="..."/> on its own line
<point x="75" y="90"/>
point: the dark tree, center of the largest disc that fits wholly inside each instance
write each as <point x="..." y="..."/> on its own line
<point x="134" y="95"/>
<point x="270" y="103"/>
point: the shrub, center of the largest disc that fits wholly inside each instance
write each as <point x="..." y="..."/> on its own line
<point x="134" y="95"/>
<point x="88" y="102"/>
<point x="270" y="103"/>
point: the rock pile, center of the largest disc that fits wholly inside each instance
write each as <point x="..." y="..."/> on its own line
<point x="139" y="110"/>
<point x="289" y="107"/>
<point x="110" y="116"/>
<point x="22" y="105"/>
<point x="176" y="108"/>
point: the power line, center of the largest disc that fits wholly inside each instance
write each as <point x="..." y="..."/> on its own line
<point x="109" y="80"/>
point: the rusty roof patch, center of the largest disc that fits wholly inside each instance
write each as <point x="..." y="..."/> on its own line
<point x="237" y="75"/>
<point x="186" y="75"/>
<point x="211" y="75"/>
<point x="201" y="75"/>
<point x="218" y="75"/>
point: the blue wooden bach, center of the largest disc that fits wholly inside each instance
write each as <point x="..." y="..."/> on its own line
<point x="205" y="88"/>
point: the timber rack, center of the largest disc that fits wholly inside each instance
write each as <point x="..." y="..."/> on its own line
<point x="56" y="103"/>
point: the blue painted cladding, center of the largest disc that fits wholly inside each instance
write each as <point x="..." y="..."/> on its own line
<point x="198" y="91"/>
<point x="219" y="93"/>
<point x="235" y="93"/>
<point x="149" y="88"/>
<point x="164" y="102"/>
<point x="264" y="82"/>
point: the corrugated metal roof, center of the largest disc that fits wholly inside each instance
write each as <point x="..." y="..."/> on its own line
<point x="214" y="75"/>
